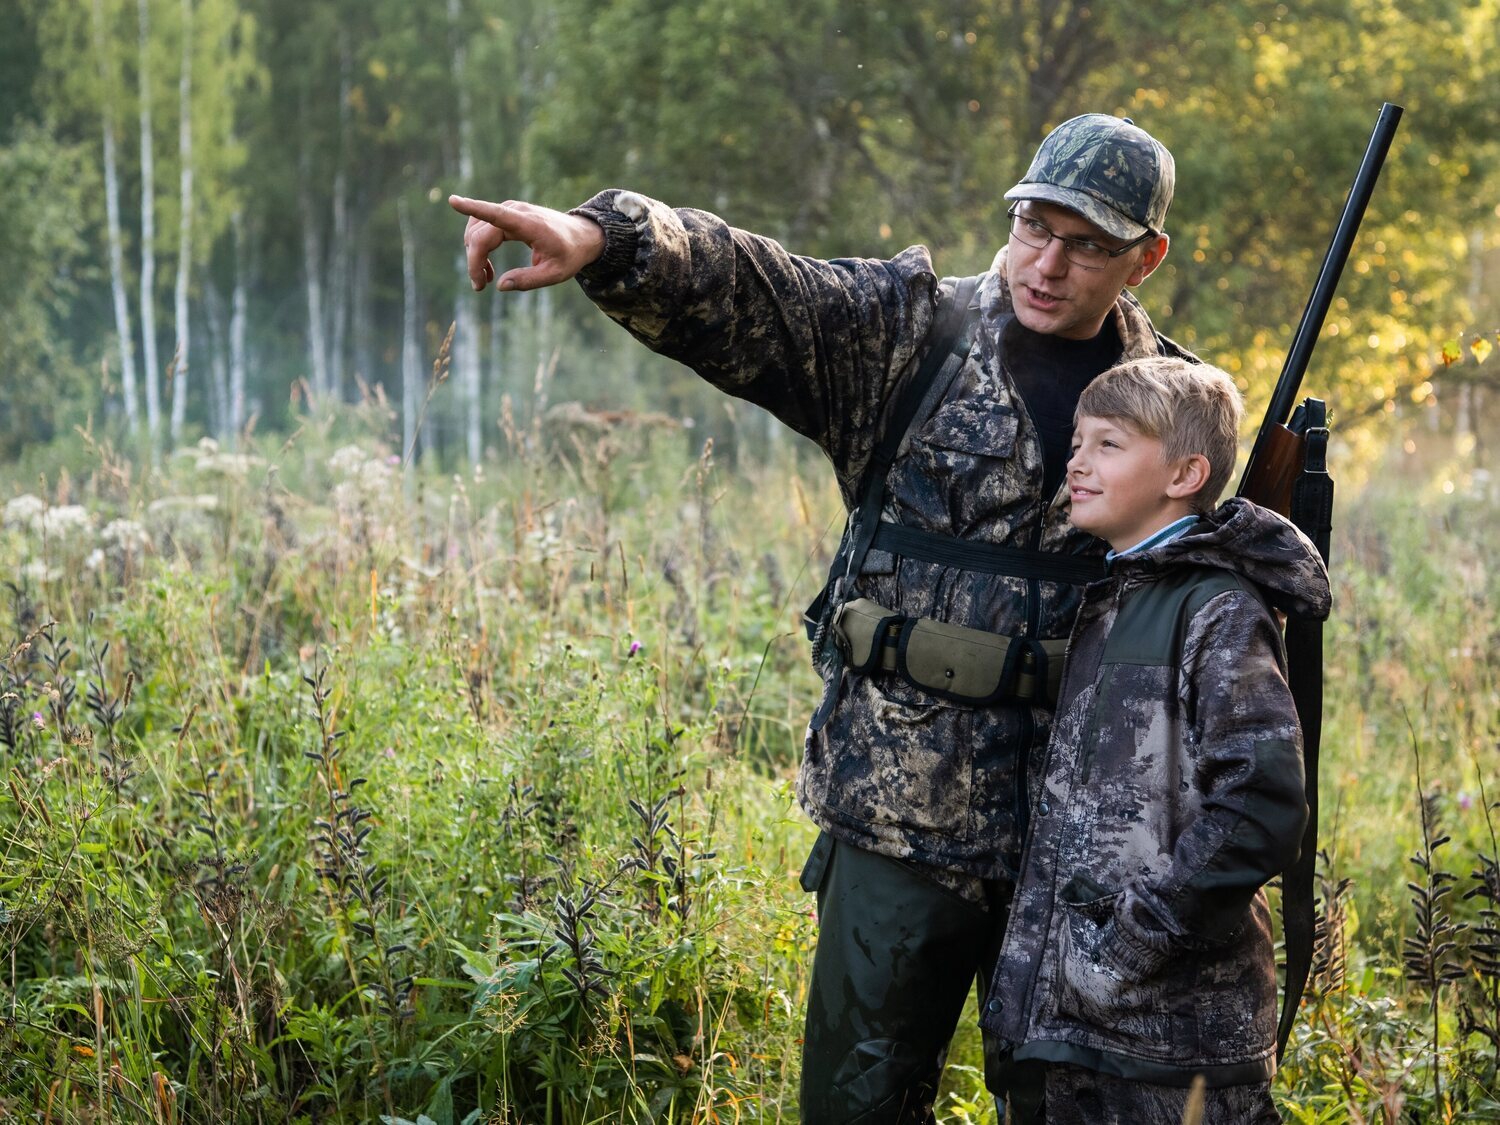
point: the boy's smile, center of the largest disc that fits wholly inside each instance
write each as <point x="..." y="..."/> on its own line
<point x="1121" y="487"/>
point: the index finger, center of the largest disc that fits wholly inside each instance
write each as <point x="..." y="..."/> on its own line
<point x="492" y="213"/>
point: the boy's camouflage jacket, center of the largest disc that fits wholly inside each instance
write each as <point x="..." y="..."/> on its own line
<point x="1171" y="790"/>
<point x="822" y="345"/>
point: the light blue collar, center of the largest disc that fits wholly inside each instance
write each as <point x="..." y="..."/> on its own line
<point x="1156" y="538"/>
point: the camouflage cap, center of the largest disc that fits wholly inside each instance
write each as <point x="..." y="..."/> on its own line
<point x="1108" y="169"/>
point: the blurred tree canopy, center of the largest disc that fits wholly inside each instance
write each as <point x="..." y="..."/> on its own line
<point x="839" y="128"/>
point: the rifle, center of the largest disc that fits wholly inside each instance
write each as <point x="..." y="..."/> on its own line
<point x="1277" y="456"/>
<point x="1288" y="472"/>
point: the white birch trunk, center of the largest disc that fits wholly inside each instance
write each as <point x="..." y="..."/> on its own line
<point x="467" y="359"/>
<point x="237" y="311"/>
<point x="497" y="342"/>
<point x="185" y="227"/>
<point x="339" y="254"/>
<point x="112" y="217"/>
<point x="411" y="356"/>
<point x="218" y="355"/>
<point x="312" y="264"/>
<point x="361" y="317"/>
<point x="148" y="236"/>
<point x="466" y="356"/>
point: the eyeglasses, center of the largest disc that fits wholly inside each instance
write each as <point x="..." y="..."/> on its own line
<point x="1080" y="251"/>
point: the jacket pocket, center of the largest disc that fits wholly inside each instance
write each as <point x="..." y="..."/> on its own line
<point x="902" y="764"/>
<point x="1120" y="994"/>
<point x="975" y="426"/>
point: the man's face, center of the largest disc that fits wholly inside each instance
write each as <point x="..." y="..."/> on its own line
<point x="1054" y="296"/>
<point x="1120" y="486"/>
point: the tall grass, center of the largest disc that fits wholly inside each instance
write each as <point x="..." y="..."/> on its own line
<point x="339" y="792"/>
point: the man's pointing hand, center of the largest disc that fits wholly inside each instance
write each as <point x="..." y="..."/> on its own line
<point x="561" y="244"/>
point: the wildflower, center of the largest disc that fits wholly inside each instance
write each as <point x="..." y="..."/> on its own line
<point x="1465" y="800"/>
<point x="347" y="460"/>
<point x="37" y="570"/>
<point x="126" y="536"/>
<point x="635" y="647"/>
<point x="24" y="511"/>
<point x="66" y="520"/>
<point x="37" y="720"/>
<point x="237" y="465"/>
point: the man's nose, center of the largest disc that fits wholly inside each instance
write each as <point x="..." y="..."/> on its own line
<point x="1053" y="260"/>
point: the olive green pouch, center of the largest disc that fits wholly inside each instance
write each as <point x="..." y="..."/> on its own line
<point x="951" y="662"/>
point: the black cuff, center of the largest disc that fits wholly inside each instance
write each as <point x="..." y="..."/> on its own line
<point x="620" y="237"/>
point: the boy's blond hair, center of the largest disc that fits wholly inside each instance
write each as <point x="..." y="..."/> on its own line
<point x="1188" y="407"/>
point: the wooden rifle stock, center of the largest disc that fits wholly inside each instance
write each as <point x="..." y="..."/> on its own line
<point x="1276" y="457"/>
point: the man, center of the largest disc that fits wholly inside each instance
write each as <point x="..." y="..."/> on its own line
<point x="920" y="791"/>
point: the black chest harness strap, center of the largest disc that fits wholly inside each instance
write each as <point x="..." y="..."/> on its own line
<point x="951" y="340"/>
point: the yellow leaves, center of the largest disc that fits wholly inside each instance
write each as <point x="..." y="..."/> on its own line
<point x="1450" y="353"/>
<point x="1480" y="348"/>
<point x="379" y="71"/>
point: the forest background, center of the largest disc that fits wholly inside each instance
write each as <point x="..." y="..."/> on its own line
<point x="257" y="427"/>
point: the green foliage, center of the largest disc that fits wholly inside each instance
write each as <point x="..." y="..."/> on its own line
<point x="331" y="800"/>
<point x="356" y="809"/>
<point x="850" y="129"/>
<point x="47" y="256"/>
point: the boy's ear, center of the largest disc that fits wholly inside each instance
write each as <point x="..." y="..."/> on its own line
<point x="1188" y="477"/>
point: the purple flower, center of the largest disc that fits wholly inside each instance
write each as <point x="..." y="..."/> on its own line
<point x="37" y="720"/>
<point x="1465" y="801"/>
<point x="635" y="647"/>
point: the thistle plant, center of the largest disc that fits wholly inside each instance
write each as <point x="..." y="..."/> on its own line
<point x="1484" y="943"/>
<point x="1330" y="957"/>
<point x="1429" y="954"/>
<point x="108" y="709"/>
<point x="339" y="836"/>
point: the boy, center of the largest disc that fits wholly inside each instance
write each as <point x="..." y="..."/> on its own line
<point x="1138" y="953"/>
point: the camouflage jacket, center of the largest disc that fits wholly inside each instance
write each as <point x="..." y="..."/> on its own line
<point x="1139" y="941"/>
<point x="823" y="345"/>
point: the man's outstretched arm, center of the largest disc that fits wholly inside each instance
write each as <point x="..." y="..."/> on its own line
<point x="561" y="244"/>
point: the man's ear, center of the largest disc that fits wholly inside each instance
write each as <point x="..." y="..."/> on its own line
<point x="1188" y="477"/>
<point x="1155" y="253"/>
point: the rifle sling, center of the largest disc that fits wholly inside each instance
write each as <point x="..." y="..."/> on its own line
<point x="950" y="344"/>
<point x="1312" y="511"/>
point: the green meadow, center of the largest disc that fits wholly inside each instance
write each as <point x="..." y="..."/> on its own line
<point x="337" y="791"/>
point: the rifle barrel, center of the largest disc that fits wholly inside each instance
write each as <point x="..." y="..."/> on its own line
<point x="1289" y="384"/>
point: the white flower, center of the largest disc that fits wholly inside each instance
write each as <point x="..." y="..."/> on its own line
<point x="37" y="570"/>
<point x="236" y="465"/>
<point x="66" y="520"/>
<point x="174" y="505"/>
<point x="347" y="460"/>
<point x="24" y="511"/>
<point x="126" y="536"/>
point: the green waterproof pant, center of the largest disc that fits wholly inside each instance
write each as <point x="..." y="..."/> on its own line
<point x="897" y="954"/>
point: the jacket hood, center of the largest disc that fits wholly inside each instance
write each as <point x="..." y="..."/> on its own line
<point x="1266" y="548"/>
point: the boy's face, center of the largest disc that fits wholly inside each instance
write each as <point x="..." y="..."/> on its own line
<point x="1121" y="487"/>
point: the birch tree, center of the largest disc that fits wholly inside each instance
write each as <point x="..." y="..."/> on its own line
<point x="411" y="353"/>
<point x="466" y="357"/>
<point x="148" y="230"/>
<point x="312" y="271"/>
<point x="237" y="319"/>
<point x="181" y="364"/>
<point x="108" y="97"/>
